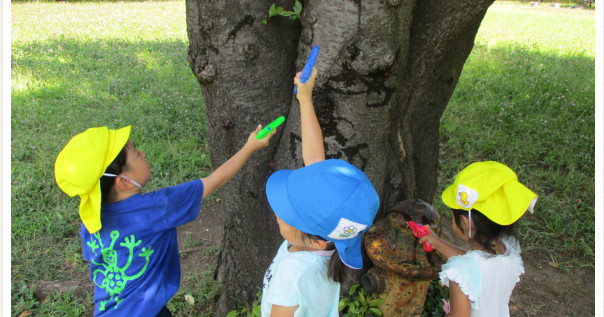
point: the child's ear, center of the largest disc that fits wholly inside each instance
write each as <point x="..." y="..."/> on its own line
<point x="319" y="244"/>
<point x="464" y="224"/>
<point x="122" y="183"/>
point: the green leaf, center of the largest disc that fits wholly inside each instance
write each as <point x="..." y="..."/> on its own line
<point x="232" y="313"/>
<point x="376" y="311"/>
<point x="362" y="297"/>
<point x="353" y="288"/>
<point x="376" y="302"/>
<point x="256" y="312"/>
<point x="271" y="11"/>
<point x="298" y="7"/>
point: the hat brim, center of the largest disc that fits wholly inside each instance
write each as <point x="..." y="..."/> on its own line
<point x="524" y="199"/>
<point x="117" y="141"/>
<point x="449" y="197"/>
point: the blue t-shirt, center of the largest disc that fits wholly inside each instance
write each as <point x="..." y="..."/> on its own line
<point x="300" y="279"/>
<point x="134" y="262"/>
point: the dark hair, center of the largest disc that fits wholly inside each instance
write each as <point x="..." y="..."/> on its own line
<point x="484" y="231"/>
<point x="116" y="167"/>
<point x="336" y="270"/>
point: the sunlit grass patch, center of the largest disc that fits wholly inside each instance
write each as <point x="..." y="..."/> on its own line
<point x="527" y="100"/>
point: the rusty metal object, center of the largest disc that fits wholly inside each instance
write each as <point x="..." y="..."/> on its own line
<point x="403" y="270"/>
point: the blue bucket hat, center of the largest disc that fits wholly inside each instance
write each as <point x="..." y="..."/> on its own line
<point x="331" y="199"/>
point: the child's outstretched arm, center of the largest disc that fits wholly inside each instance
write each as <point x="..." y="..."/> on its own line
<point x="312" y="137"/>
<point x="229" y="169"/>
<point x="444" y="247"/>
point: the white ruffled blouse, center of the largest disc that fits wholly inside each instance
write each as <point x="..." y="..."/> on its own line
<point x="488" y="280"/>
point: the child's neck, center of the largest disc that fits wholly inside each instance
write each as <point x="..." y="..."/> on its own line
<point x="119" y="195"/>
<point x="297" y="248"/>
<point x="497" y="246"/>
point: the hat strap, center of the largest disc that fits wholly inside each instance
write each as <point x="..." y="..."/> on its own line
<point x="470" y="224"/>
<point x="113" y="175"/>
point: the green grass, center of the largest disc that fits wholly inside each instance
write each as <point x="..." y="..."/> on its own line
<point x="528" y="100"/>
<point x="199" y="286"/>
<point x="524" y="99"/>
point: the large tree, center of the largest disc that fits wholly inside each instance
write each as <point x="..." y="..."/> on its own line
<point x="387" y="69"/>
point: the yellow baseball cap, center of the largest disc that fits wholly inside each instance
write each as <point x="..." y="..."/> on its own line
<point x="491" y="188"/>
<point x="82" y="162"/>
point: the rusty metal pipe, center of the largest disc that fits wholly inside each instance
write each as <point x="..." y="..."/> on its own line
<point x="403" y="270"/>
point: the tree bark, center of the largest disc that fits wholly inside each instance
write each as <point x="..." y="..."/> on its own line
<point x="386" y="72"/>
<point x="245" y="71"/>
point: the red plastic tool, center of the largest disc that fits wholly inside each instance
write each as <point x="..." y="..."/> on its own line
<point x="419" y="231"/>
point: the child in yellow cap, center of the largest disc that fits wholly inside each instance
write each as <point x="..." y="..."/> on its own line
<point x="486" y="200"/>
<point x="129" y="238"/>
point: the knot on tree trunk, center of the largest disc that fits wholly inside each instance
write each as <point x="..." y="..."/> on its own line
<point x="393" y="3"/>
<point x="250" y="51"/>
<point x="204" y="71"/>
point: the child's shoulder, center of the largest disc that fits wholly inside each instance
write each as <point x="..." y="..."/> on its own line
<point x="466" y="262"/>
<point x="465" y="271"/>
<point x="302" y="259"/>
<point x="302" y="263"/>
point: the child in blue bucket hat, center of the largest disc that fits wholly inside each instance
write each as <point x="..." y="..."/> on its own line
<point x="321" y="209"/>
<point x="129" y="237"/>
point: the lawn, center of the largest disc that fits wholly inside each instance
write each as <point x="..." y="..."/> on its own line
<point x="81" y="65"/>
<point x="528" y="100"/>
<point x="524" y="99"/>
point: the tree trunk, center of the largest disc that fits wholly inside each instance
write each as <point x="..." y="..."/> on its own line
<point x="386" y="72"/>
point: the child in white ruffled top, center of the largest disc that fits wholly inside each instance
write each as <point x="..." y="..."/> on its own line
<point x="486" y="200"/>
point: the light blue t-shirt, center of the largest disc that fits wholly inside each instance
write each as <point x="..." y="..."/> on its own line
<point x="300" y="279"/>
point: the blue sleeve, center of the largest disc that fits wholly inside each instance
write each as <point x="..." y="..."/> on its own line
<point x="182" y="202"/>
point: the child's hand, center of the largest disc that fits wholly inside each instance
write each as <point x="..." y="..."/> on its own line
<point x="255" y="144"/>
<point x="231" y="167"/>
<point x="431" y="238"/>
<point x="445" y="248"/>
<point x="305" y="89"/>
<point x="446" y="306"/>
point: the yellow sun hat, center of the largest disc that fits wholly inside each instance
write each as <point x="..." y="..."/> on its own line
<point x="82" y="162"/>
<point x="491" y="188"/>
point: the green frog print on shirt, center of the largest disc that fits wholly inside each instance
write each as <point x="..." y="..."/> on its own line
<point x="114" y="278"/>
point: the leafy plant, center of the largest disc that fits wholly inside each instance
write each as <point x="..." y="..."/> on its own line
<point x="359" y="303"/>
<point x="245" y="310"/>
<point x="274" y="11"/>
<point x="433" y="307"/>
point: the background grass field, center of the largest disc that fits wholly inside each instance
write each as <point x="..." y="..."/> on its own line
<point x="524" y="99"/>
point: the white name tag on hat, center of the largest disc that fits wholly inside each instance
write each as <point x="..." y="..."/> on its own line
<point x="466" y="196"/>
<point x="346" y="229"/>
